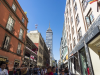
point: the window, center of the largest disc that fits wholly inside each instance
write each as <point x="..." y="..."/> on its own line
<point x="77" y="19"/>
<point x="84" y="4"/>
<point x="74" y="42"/>
<point x="73" y="30"/>
<point x="19" y="48"/>
<point x="68" y="41"/>
<point x="72" y="19"/>
<point x="14" y="7"/>
<point x="69" y="27"/>
<point x="21" y="34"/>
<point x="70" y="47"/>
<point x="70" y="37"/>
<point x="70" y="10"/>
<point x="75" y="8"/>
<point x="23" y="19"/>
<point x="73" y="1"/>
<point x="89" y="18"/>
<point x="79" y="34"/>
<point x="10" y="24"/>
<point x="66" y="19"/>
<point x="6" y="42"/>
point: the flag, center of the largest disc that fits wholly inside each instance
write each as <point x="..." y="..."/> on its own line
<point x="91" y="1"/>
<point x="36" y="26"/>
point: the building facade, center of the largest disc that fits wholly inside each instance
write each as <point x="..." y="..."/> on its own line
<point x="30" y="54"/>
<point x="13" y="30"/>
<point x="36" y="37"/>
<point x="83" y="36"/>
<point x="49" y="43"/>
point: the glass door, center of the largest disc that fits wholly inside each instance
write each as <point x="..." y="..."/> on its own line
<point x="83" y="62"/>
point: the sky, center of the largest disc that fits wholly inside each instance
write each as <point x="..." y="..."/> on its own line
<point x="43" y="12"/>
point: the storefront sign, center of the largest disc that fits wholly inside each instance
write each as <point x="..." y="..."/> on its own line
<point x="26" y="57"/>
<point x="30" y="50"/>
<point x="92" y="34"/>
<point x="66" y="57"/>
<point x="3" y="59"/>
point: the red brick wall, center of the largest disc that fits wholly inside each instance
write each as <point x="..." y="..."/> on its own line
<point x="4" y="15"/>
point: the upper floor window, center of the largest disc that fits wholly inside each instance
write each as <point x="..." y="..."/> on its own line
<point x="66" y="19"/>
<point x="77" y="19"/>
<point x="19" y="48"/>
<point x="79" y="34"/>
<point x="23" y="19"/>
<point x="73" y="30"/>
<point x="70" y="36"/>
<point x="72" y="19"/>
<point x="14" y="7"/>
<point x="75" y="7"/>
<point x="70" y="10"/>
<point x="6" y="42"/>
<point x="73" y="1"/>
<point x="21" y="33"/>
<point x="74" y="43"/>
<point x="69" y="27"/>
<point x="84" y="4"/>
<point x="70" y="47"/>
<point x="10" y="23"/>
<point x="89" y="18"/>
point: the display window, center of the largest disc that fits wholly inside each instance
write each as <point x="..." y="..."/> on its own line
<point x="83" y="61"/>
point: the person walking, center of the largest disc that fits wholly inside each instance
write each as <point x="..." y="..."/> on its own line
<point x="23" y="71"/>
<point x="63" y="72"/>
<point x="39" y="72"/>
<point x="54" y="70"/>
<point x="3" y="70"/>
<point x="67" y="71"/>
<point x="49" y="71"/>
<point x="35" y="70"/>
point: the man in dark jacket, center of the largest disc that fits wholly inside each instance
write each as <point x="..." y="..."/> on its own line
<point x="23" y="71"/>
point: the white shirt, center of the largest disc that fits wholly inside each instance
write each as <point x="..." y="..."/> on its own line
<point x="4" y="72"/>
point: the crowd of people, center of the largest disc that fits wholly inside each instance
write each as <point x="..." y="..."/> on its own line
<point x="24" y="70"/>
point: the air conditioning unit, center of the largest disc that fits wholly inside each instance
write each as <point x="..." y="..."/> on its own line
<point x="18" y="51"/>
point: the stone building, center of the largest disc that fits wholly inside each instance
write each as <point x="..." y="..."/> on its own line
<point x="42" y="56"/>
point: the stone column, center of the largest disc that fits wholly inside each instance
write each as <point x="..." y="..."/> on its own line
<point x="88" y="59"/>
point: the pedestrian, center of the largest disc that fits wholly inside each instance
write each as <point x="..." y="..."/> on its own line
<point x="39" y="72"/>
<point x="23" y="70"/>
<point x="66" y="70"/>
<point x="31" y="70"/>
<point x="3" y="70"/>
<point x="63" y="72"/>
<point x="43" y="72"/>
<point x="35" y="70"/>
<point x="54" y="70"/>
<point x="49" y="71"/>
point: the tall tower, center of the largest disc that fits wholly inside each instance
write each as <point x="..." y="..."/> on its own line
<point x="49" y="42"/>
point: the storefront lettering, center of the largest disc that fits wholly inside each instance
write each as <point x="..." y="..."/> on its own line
<point x="2" y="59"/>
<point x="90" y="36"/>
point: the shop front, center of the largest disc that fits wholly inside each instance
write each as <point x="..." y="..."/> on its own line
<point x="86" y="53"/>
